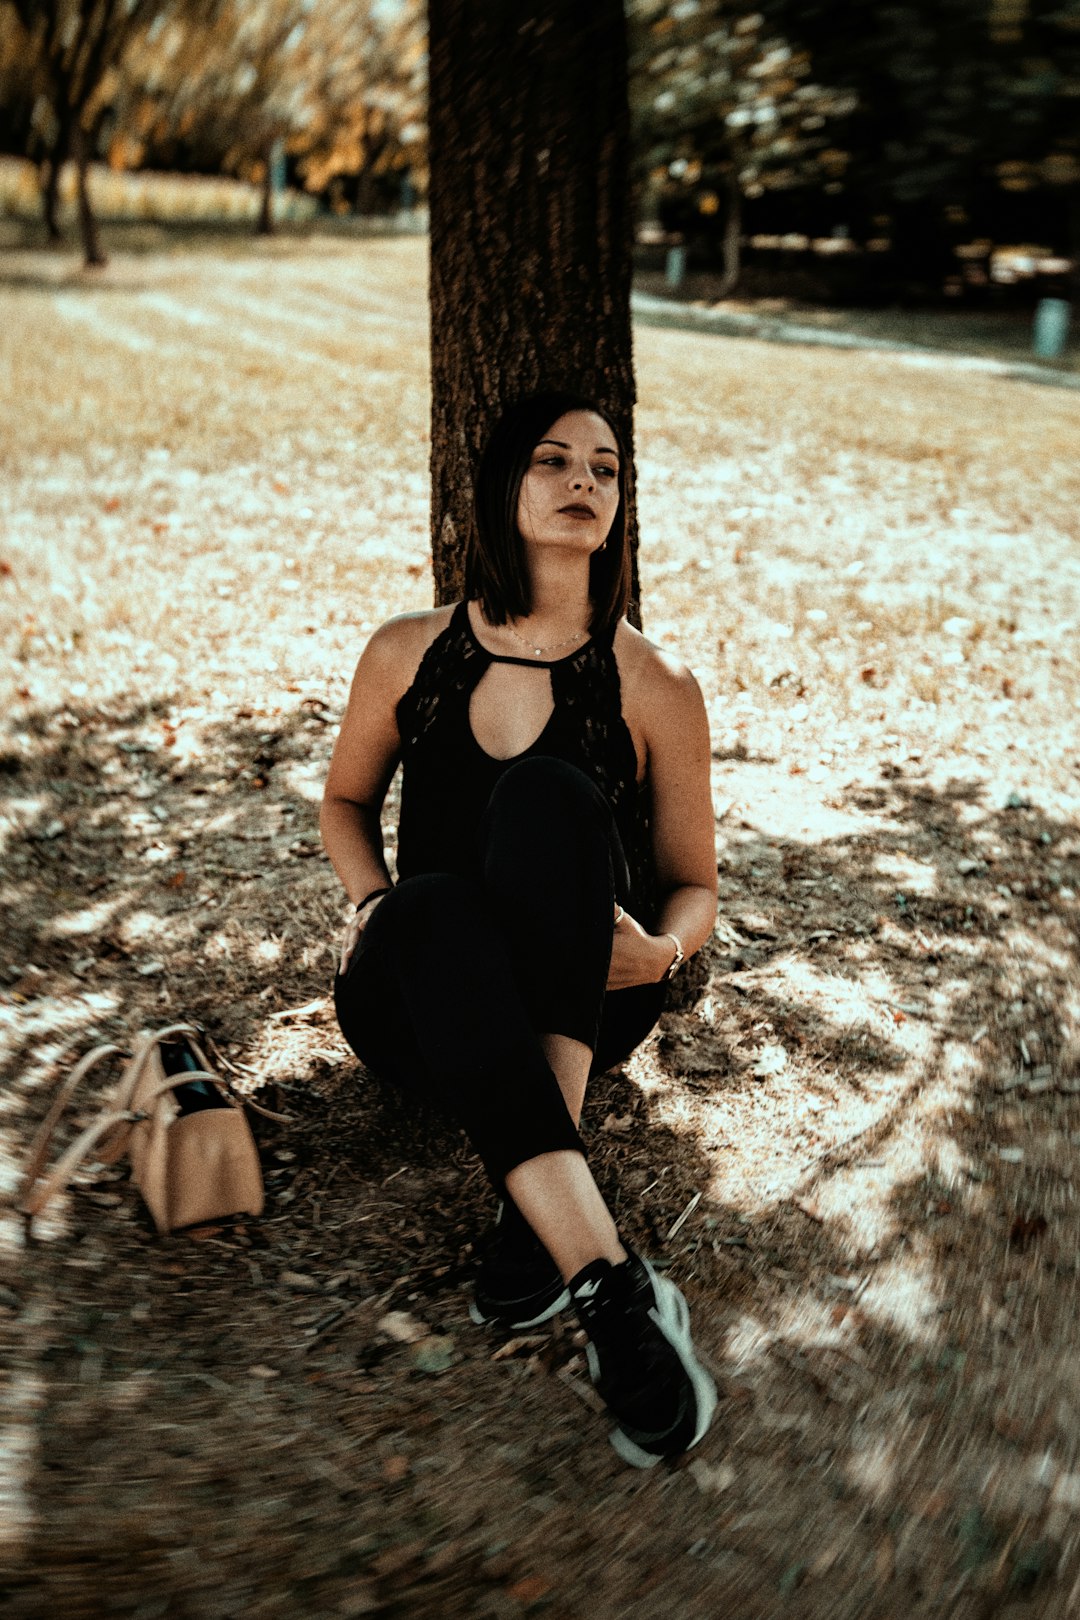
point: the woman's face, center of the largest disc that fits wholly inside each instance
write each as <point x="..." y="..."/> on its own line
<point x="570" y="492"/>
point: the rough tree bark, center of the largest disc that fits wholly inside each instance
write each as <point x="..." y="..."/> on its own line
<point x="531" y="233"/>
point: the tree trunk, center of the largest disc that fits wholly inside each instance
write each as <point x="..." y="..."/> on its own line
<point x="265" y="227"/>
<point x="94" y="257"/>
<point x="732" y="246"/>
<point x="50" y="198"/>
<point x="531" y="233"/>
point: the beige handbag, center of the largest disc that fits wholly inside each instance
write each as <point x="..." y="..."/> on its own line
<point x="190" y="1166"/>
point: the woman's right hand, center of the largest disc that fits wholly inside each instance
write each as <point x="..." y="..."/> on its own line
<point x="354" y="928"/>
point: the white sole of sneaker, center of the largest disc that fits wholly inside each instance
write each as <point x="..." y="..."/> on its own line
<point x="521" y="1324"/>
<point x="673" y="1319"/>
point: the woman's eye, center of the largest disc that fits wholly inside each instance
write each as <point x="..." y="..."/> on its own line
<point x="608" y="472"/>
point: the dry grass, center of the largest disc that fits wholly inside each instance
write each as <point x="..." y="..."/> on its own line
<point x="167" y="199"/>
<point x="210" y="492"/>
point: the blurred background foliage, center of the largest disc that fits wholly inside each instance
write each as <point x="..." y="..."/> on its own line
<point x="894" y="148"/>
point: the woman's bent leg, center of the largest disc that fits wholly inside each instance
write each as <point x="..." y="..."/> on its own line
<point x="430" y="1002"/>
<point x="552" y="865"/>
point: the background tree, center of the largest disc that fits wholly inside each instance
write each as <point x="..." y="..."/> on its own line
<point x="723" y="108"/>
<point x="531" y="238"/>
<point x="336" y="86"/>
<point x="73" y="50"/>
<point x="229" y="84"/>
<point x="18" y="91"/>
<point x="958" y="103"/>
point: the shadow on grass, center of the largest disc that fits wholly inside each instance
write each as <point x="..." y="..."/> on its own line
<point x="270" y="1407"/>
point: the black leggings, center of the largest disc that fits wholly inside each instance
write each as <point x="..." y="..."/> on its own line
<point x="456" y="978"/>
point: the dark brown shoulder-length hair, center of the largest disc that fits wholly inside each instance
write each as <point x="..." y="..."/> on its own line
<point x="495" y="570"/>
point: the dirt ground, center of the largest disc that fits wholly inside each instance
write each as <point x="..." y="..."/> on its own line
<point x="852" y="1141"/>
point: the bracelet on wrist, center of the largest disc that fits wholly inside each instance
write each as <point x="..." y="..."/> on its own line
<point x="680" y="956"/>
<point x="374" y="895"/>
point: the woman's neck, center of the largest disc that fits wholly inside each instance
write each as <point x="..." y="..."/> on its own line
<point x="559" y="592"/>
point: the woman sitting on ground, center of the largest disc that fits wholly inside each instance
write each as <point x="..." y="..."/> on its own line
<point x="556" y="865"/>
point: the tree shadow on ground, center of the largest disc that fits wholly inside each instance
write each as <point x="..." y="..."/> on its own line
<point x="866" y="1282"/>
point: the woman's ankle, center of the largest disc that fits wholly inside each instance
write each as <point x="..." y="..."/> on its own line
<point x="573" y="1261"/>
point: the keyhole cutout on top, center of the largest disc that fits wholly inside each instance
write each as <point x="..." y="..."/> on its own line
<point x="509" y="709"/>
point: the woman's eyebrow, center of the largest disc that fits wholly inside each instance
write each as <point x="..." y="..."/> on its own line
<point x="601" y="449"/>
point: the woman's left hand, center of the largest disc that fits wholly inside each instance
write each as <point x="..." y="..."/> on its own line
<point x="636" y="957"/>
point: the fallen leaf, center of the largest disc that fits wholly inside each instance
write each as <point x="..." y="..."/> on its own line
<point x="1025" y="1228"/>
<point x="810" y="1208"/>
<point x="514" y="1347"/>
<point x="298" y="1280"/>
<point x="1066" y="1492"/>
<point x="712" y="1477"/>
<point x="434" y="1354"/>
<point x="885" y="1560"/>
<point x="259" y="1371"/>
<point x="755" y="926"/>
<point x="395" y="1469"/>
<point x="1008" y="1425"/>
<point x="396" y="1559"/>
<point x="617" y="1125"/>
<point x="771" y="1061"/>
<point x="529" y="1589"/>
<point x="402" y="1327"/>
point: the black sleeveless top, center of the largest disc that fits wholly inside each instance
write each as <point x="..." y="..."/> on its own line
<point x="447" y="778"/>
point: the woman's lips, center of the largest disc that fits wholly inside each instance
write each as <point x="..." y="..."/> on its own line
<point x="585" y="513"/>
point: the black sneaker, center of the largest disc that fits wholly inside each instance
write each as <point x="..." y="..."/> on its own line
<point x="642" y="1360"/>
<point x="518" y="1285"/>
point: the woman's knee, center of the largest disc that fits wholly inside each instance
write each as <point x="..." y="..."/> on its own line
<point x="543" y="785"/>
<point x="429" y="900"/>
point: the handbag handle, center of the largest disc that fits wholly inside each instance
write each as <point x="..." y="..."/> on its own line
<point x="191" y="1033"/>
<point x="133" y="1073"/>
<point x="32" y="1201"/>
<point x="39" y="1147"/>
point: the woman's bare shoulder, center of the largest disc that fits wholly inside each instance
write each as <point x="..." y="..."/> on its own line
<point x="401" y="642"/>
<point x="648" y="669"/>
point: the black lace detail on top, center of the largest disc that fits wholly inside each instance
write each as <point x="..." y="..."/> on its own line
<point x="447" y="777"/>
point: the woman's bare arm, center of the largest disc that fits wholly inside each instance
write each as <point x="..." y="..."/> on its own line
<point x="674" y="727"/>
<point x="683" y="824"/>
<point x="366" y="755"/>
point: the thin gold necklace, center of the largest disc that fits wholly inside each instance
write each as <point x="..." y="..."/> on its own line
<point x="539" y="652"/>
